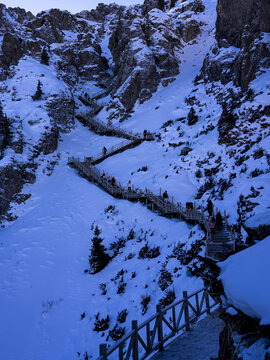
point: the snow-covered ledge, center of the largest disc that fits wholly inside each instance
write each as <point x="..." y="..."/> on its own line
<point x="245" y="277"/>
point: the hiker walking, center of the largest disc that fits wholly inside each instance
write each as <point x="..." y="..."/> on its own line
<point x="165" y="195"/>
<point x="211" y="223"/>
<point x="219" y="221"/>
<point x="129" y="186"/>
<point x="104" y="150"/>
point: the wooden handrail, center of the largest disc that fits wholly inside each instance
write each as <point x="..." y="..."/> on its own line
<point x="163" y="328"/>
<point x="166" y="207"/>
<point x="117" y="130"/>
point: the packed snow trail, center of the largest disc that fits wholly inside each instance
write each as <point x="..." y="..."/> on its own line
<point x="200" y="343"/>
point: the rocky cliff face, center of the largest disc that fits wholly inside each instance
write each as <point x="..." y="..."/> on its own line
<point x="234" y="15"/>
<point x="240" y="25"/>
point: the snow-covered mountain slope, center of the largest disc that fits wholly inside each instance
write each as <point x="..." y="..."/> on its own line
<point x="150" y="67"/>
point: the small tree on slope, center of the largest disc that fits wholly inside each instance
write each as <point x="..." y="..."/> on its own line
<point x="5" y="131"/>
<point x="192" y="117"/>
<point x="98" y="258"/>
<point x="38" y="93"/>
<point x="44" y="57"/>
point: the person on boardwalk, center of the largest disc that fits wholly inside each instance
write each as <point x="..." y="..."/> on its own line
<point x="145" y="133"/>
<point x="129" y="186"/>
<point x="211" y="223"/>
<point x="103" y="174"/>
<point x="113" y="181"/>
<point x="165" y="195"/>
<point x="219" y="221"/>
<point x="104" y="150"/>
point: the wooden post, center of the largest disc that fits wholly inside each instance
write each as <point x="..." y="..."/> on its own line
<point x="185" y="296"/>
<point x="103" y="351"/>
<point x="159" y="328"/>
<point x="148" y="337"/>
<point x="207" y="302"/>
<point x="135" y="350"/>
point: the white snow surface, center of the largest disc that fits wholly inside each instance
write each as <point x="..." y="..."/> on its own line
<point x="43" y="254"/>
<point x="245" y="277"/>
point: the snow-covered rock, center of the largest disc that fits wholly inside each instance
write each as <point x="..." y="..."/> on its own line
<point x="245" y="277"/>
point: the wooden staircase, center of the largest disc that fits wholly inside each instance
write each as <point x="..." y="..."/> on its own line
<point x="101" y="128"/>
<point x="221" y="244"/>
<point x="115" y="149"/>
<point x="166" y="207"/>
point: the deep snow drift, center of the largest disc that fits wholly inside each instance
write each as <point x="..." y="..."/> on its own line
<point x="245" y="277"/>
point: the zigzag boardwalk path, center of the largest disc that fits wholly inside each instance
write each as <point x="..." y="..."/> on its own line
<point x="200" y="343"/>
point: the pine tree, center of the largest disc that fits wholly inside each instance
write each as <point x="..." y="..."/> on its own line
<point x="172" y="3"/>
<point x="5" y="132"/>
<point x="210" y="207"/>
<point x="161" y="4"/>
<point x="192" y="117"/>
<point x="38" y="92"/>
<point x="44" y="57"/>
<point x="98" y="258"/>
<point x="227" y="120"/>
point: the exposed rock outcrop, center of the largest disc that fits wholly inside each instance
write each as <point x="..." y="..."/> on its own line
<point x="144" y="51"/>
<point x="12" y="49"/>
<point x="239" y="26"/>
<point x="233" y="15"/>
<point x="149" y="5"/>
<point x="61" y="110"/>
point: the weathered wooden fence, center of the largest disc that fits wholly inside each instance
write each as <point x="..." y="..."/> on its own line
<point x="113" y="130"/>
<point x="218" y="245"/>
<point x="115" y="149"/>
<point x="155" y="332"/>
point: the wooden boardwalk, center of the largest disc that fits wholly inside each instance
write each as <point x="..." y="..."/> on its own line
<point x="200" y="343"/>
<point x="101" y="128"/>
<point x="218" y="245"/>
<point x="115" y="149"/>
<point x="166" y="207"/>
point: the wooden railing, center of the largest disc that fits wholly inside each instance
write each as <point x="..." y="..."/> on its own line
<point x="116" y="130"/>
<point x="166" y="207"/>
<point x="166" y="323"/>
<point x="113" y="150"/>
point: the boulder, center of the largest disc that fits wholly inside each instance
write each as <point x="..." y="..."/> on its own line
<point x="12" y="49"/>
<point x="190" y="30"/>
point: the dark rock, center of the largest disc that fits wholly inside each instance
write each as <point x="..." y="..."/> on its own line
<point x="233" y="15"/>
<point x="257" y="233"/>
<point x="149" y="5"/>
<point x="49" y="141"/>
<point x="12" y="49"/>
<point x="198" y="6"/>
<point x="227" y="349"/>
<point x="101" y="11"/>
<point x="190" y="30"/>
<point x="145" y="95"/>
<point x="61" y="110"/>
<point x="12" y="179"/>
<point x="239" y="66"/>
